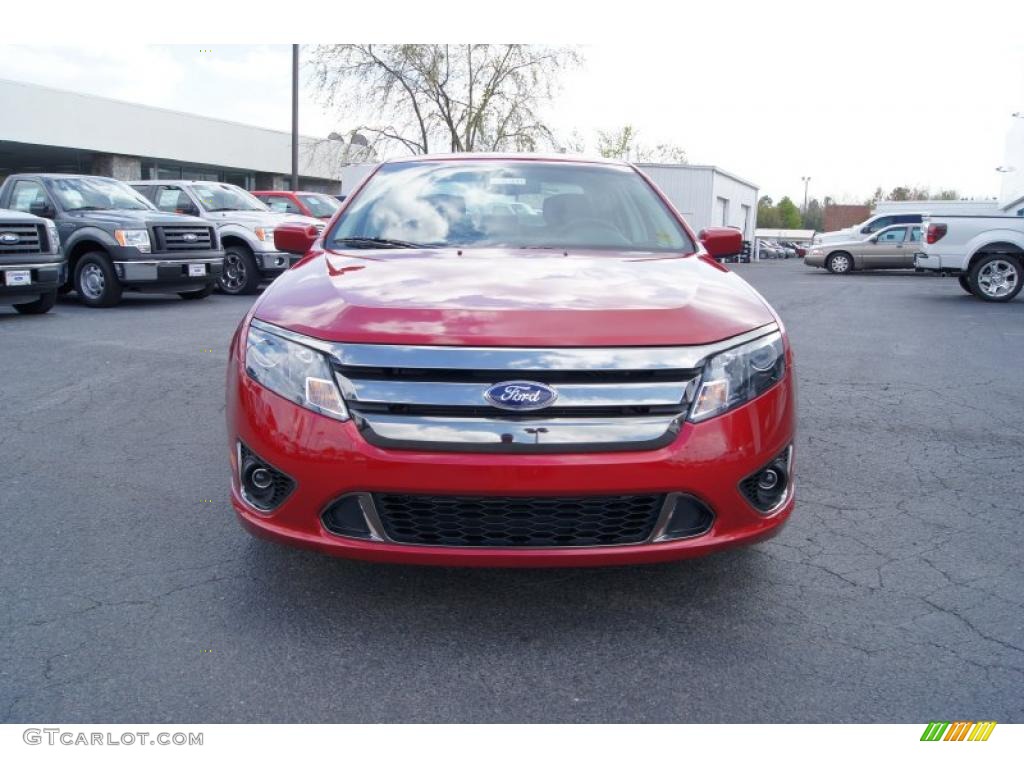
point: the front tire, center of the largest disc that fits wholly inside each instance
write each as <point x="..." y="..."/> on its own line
<point x="996" y="277"/>
<point x="95" y="281"/>
<point x="240" y="276"/>
<point x="839" y="263"/>
<point x="40" y="306"/>
<point x="202" y="293"/>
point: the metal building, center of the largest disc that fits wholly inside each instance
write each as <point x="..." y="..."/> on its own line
<point x="707" y="196"/>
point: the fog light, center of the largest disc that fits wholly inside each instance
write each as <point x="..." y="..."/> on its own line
<point x="689" y="517"/>
<point x="263" y="486"/>
<point x="345" y="517"/>
<point x="768" y="488"/>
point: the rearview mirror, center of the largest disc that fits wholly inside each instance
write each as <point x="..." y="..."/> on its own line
<point x="295" y="238"/>
<point x="720" y="242"/>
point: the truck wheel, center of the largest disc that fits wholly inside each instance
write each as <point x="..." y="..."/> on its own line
<point x="40" y="306"/>
<point x="95" y="281"/>
<point x="839" y="263"/>
<point x="996" y="277"/>
<point x="202" y="293"/>
<point x="241" y="275"/>
<point x="965" y="283"/>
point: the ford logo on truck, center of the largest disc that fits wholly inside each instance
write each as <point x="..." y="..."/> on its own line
<point x="520" y="395"/>
<point x="9" y="238"/>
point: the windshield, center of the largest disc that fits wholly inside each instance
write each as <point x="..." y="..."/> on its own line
<point x="320" y="205"/>
<point x="226" y="197"/>
<point x="482" y="203"/>
<point x="95" y="193"/>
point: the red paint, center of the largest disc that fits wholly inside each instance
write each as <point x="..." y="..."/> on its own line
<point x="498" y="297"/>
<point x="267" y="194"/>
<point x="722" y="241"/>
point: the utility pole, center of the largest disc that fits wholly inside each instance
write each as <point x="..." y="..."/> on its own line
<point x="806" y="180"/>
<point x="295" y="118"/>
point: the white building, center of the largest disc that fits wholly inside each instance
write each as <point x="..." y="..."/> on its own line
<point x="707" y="196"/>
<point x="50" y="130"/>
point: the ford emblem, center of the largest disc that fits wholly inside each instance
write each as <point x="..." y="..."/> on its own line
<point x="520" y="395"/>
<point x="189" y="237"/>
<point x="9" y="238"/>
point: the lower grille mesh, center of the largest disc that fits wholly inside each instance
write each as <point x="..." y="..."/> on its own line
<point x="514" y="521"/>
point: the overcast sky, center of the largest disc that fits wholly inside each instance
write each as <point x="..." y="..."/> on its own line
<point x="915" y="100"/>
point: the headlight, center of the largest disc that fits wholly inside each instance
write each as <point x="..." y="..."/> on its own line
<point x="297" y="372"/>
<point x="266" y="234"/>
<point x="737" y="375"/>
<point x="133" y="238"/>
<point x="53" y="236"/>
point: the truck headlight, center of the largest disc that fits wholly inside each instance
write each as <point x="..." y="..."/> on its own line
<point x="738" y="375"/>
<point x="53" y="236"/>
<point x="266" y="234"/>
<point x="294" y="371"/>
<point x="133" y="238"/>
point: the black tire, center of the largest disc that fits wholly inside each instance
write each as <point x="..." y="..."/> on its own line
<point x="839" y="263"/>
<point x="95" y="281"/>
<point x="202" y="293"/>
<point x="965" y="283"/>
<point x="40" y="306"/>
<point x="241" y="276"/>
<point x="996" y="276"/>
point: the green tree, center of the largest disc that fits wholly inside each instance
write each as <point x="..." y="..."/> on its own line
<point x="789" y="214"/>
<point x="767" y="214"/>
<point x="814" y="216"/>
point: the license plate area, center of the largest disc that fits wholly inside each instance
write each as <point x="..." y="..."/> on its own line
<point x="17" y="277"/>
<point x="196" y="270"/>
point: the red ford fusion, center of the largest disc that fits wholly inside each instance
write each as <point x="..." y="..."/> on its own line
<point x="491" y="360"/>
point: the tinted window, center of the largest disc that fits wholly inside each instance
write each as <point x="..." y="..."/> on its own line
<point x="908" y="218"/>
<point x="512" y="204"/>
<point x="894" y="235"/>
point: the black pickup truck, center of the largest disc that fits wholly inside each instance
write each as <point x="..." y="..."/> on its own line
<point x="116" y="240"/>
<point x="32" y="267"/>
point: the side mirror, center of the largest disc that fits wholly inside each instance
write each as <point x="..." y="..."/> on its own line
<point x="41" y="208"/>
<point x="720" y="242"/>
<point x="295" y="238"/>
<point x="187" y="210"/>
<point x="873" y="239"/>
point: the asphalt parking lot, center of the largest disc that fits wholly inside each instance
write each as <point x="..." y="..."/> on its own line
<point x="128" y="592"/>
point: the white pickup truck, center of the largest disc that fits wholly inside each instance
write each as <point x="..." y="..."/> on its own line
<point x="986" y="253"/>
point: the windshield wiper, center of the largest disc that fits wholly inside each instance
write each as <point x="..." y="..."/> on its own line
<point x="376" y="242"/>
<point x="89" y="208"/>
<point x="218" y="210"/>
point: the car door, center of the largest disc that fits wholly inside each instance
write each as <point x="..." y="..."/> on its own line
<point x="885" y="249"/>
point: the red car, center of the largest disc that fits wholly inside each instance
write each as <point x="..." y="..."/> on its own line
<point x="494" y="360"/>
<point x="315" y="204"/>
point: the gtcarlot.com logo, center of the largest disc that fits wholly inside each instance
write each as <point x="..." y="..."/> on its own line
<point x="961" y="730"/>
<point x="54" y="736"/>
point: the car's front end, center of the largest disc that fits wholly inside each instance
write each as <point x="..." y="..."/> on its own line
<point x="163" y="252"/>
<point x="816" y="255"/>
<point x="31" y="262"/>
<point x="501" y="407"/>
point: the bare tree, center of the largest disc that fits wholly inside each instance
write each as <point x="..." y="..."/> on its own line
<point x="458" y="98"/>
<point x="623" y="144"/>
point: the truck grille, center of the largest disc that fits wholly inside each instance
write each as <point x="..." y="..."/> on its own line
<point x="31" y="238"/>
<point x="182" y="238"/>
<point x="512" y="521"/>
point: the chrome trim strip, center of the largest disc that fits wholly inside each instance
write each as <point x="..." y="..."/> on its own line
<point x="520" y="359"/>
<point x="496" y="435"/>
<point x="5" y="267"/>
<point x="174" y="263"/>
<point x="459" y="394"/>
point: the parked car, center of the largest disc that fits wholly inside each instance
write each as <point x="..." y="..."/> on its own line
<point x="434" y="384"/>
<point x="32" y="266"/>
<point x="244" y="224"/>
<point x="115" y="240"/>
<point x="797" y="249"/>
<point x="890" y="248"/>
<point x="314" y="204"/>
<point x="769" y="249"/>
<point x="867" y="227"/>
<point x="985" y="253"/>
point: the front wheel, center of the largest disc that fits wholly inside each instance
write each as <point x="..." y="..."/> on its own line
<point x="965" y="283"/>
<point x="95" y="281"/>
<point x="240" y="275"/>
<point x="202" y="293"/>
<point x="40" y="306"/>
<point x="839" y="263"/>
<point x="996" y="277"/>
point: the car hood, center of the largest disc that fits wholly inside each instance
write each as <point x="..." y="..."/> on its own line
<point x="836" y="236"/>
<point x="18" y="217"/>
<point x="512" y="298"/>
<point x="129" y="218"/>
<point x="253" y="219"/>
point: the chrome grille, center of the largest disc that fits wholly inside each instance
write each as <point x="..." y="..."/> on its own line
<point x="183" y="238"/>
<point x="31" y="238"/>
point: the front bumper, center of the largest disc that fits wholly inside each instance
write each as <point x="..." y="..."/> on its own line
<point x="814" y="259"/>
<point x="171" y="271"/>
<point x="275" y="262"/>
<point x="328" y="459"/>
<point x="44" y="277"/>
